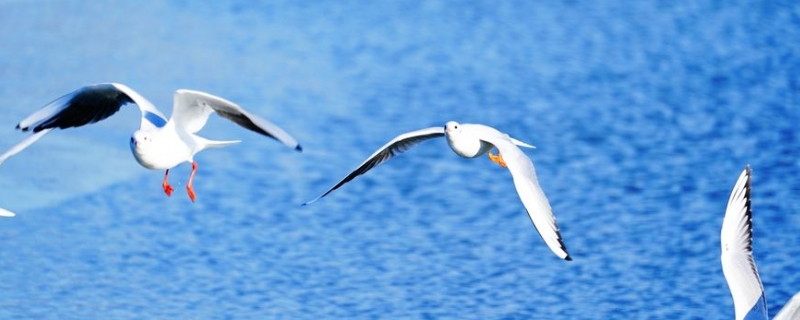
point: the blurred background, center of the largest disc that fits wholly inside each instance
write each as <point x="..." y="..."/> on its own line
<point x="643" y="114"/>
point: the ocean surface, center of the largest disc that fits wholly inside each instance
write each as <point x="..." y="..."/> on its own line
<point x="643" y="114"/>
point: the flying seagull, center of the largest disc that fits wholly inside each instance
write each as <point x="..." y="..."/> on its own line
<point x="472" y="141"/>
<point x="159" y="143"/>
<point x="738" y="265"/>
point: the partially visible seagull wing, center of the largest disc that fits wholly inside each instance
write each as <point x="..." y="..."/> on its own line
<point x="736" y="239"/>
<point x="6" y="213"/>
<point x="23" y="144"/>
<point x="151" y="117"/>
<point x="791" y="310"/>
<point x="396" y="146"/>
<point x="527" y="185"/>
<point x="86" y="105"/>
<point x="192" y="108"/>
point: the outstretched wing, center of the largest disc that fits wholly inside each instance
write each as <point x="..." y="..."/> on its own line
<point x="192" y="108"/>
<point x="736" y="238"/>
<point x="394" y="147"/>
<point x="86" y="105"/>
<point x="527" y="185"/>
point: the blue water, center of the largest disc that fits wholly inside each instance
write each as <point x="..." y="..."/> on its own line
<point x="643" y="114"/>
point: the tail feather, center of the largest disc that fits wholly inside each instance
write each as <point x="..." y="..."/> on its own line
<point x="217" y="144"/>
<point x="521" y="144"/>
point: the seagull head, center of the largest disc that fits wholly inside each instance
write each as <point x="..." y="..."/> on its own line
<point x="140" y="140"/>
<point x="451" y="127"/>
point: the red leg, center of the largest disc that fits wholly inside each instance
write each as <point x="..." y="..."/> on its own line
<point x="166" y="186"/>
<point x="191" y="178"/>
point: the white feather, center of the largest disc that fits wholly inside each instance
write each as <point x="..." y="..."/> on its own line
<point x="6" y="213"/>
<point x="737" y="255"/>
<point x="791" y="310"/>
<point x="527" y="185"/>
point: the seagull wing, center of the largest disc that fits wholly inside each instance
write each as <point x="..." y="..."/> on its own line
<point x="527" y="185"/>
<point x="396" y="146"/>
<point x="192" y="108"/>
<point x="791" y="310"/>
<point x="86" y="105"/>
<point x="23" y="144"/>
<point x="737" y="253"/>
<point x="6" y="213"/>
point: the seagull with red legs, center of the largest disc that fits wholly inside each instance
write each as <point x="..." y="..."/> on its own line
<point x="160" y="143"/>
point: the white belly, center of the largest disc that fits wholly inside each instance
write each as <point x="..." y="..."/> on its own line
<point x="165" y="151"/>
<point x="468" y="147"/>
<point x="157" y="161"/>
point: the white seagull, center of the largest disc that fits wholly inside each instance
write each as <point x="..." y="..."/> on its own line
<point x="471" y="141"/>
<point x="738" y="265"/>
<point x="6" y="213"/>
<point x="159" y="143"/>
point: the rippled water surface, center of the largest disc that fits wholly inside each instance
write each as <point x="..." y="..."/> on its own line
<point x="643" y="114"/>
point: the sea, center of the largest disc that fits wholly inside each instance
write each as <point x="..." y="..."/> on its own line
<point x="643" y="114"/>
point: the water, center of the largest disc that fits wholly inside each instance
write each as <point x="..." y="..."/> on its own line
<point x="643" y="115"/>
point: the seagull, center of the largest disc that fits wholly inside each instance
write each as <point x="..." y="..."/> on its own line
<point x="738" y="265"/>
<point x="159" y="144"/>
<point x="6" y="213"/>
<point x="472" y="141"/>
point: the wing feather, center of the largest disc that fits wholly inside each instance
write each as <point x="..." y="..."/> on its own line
<point x="396" y="146"/>
<point x="83" y="106"/>
<point x="737" y="251"/>
<point x="791" y="310"/>
<point x="192" y="109"/>
<point x="527" y="186"/>
<point x="23" y="144"/>
<point x="6" y="213"/>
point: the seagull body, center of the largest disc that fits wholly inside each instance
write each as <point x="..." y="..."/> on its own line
<point x="160" y="143"/>
<point x="736" y="238"/>
<point x="471" y="141"/>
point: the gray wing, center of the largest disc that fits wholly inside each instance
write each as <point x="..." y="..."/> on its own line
<point x="396" y="146"/>
<point x="736" y="242"/>
<point x="527" y="185"/>
<point x="86" y="105"/>
<point x="192" y="108"/>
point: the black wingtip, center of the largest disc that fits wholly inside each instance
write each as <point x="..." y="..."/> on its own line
<point x="298" y="148"/>
<point x="568" y="258"/>
<point x="309" y="202"/>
